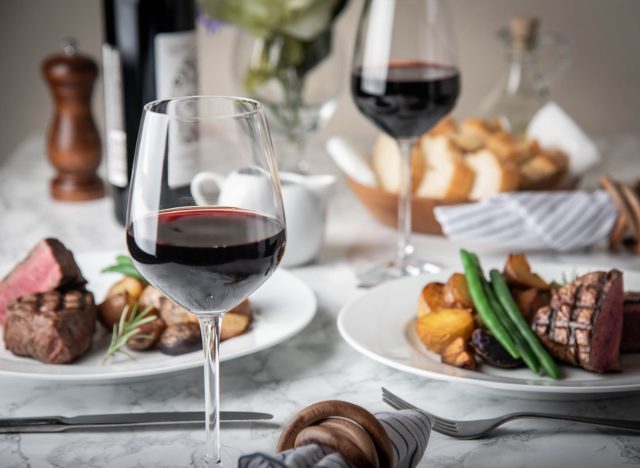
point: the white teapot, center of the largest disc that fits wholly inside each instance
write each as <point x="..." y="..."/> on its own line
<point x="305" y="201"/>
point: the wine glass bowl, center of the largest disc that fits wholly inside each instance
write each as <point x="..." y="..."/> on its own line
<point x="404" y="78"/>
<point x="204" y="253"/>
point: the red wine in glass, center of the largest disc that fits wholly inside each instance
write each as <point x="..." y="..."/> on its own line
<point x="206" y="259"/>
<point x="408" y="98"/>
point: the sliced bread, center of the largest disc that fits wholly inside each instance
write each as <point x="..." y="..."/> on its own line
<point x="509" y="147"/>
<point x="387" y="163"/>
<point x="544" y="170"/>
<point x="492" y="175"/>
<point x="447" y="175"/>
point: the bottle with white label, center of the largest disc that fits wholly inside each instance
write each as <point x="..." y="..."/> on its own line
<point x="149" y="53"/>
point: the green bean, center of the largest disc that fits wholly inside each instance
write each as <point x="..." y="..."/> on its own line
<point x="525" y="351"/>
<point x="481" y="303"/>
<point x="506" y="299"/>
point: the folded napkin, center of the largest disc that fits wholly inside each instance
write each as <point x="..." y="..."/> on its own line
<point x="553" y="128"/>
<point x="561" y="221"/>
<point x="409" y="431"/>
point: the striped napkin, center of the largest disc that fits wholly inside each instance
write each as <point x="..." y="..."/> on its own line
<point x="562" y="221"/>
<point x="409" y="431"/>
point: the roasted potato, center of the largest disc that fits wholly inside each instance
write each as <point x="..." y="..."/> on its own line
<point x="431" y="299"/>
<point x="110" y="310"/>
<point x="456" y="292"/>
<point x="458" y="354"/>
<point x="149" y="334"/>
<point x="438" y="329"/>
<point x="170" y="312"/>
<point x="181" y="338"/>
<point x="530" y="300"/>
<point x="150" y="296"/>
<point x="236" y="321"/>
<point x="517" y="272"/>
<point x="128" y="284"/>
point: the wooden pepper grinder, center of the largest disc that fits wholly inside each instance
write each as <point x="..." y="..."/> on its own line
<point x="73" y="143"/>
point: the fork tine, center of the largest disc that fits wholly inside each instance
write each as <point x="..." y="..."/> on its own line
<point x="394" y="403"/>
<point x="391" y="403"/>
<point x="442" y="425"/>
<point x="399" y="400"/>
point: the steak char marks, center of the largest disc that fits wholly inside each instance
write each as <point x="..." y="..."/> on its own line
<point x="582" y="325"/>
<point x="54" y="327"/>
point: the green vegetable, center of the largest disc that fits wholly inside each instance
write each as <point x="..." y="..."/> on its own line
<point x="525" y="351"/>
<point x="291" y="38"/>
<point x="124" y="265"/>
<point x="126" y="328"/>
<point x="292" y="34"/>
<point x="504" y="296"/>
<point x="482" y="305"/>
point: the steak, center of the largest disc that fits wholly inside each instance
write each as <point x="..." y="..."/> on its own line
<point x="631" y="323"/>
<point x="582" y="325"/>
<point x="54" y="327"/>
<point x="49" y="265"/>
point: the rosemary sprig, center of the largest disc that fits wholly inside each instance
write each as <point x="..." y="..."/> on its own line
<point x="125" y="266"/>
<point x="126" y="328"/>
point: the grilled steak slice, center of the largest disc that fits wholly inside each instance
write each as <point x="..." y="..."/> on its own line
<point x="49" y="265"/>
<point x="583" y="324"/>
<point x="631" y="323"/>
<point x="54" y="327"/>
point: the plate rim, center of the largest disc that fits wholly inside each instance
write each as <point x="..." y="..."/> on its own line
<point x="519" y="388"/>
<point x="141" y="374"/>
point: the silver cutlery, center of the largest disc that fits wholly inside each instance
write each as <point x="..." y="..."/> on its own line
<point x="479" y="427"/>
<point x="111" y="421"/>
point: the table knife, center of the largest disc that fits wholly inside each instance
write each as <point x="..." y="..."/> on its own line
<point x="98" y="421"/>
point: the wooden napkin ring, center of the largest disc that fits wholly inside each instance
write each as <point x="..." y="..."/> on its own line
<point x="628" y="220"/>
<point x="634" y="206"/>
<point x="354" y="432"/>
<point x="617" y="233"/>
<point x="318" y="413"/>
<point x="336" y="441"/>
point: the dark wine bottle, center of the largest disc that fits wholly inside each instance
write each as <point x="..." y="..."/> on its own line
<point x="149" y="53"/>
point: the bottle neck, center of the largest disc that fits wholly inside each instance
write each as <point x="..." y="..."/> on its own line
<point x="523" y="74"/>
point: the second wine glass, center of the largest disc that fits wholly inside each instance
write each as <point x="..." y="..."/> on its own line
<point x="404" y="79"/>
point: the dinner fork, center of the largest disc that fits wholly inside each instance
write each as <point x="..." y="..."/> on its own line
<point x="479" y="427"/>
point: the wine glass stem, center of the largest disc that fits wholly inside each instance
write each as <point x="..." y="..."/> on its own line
<point x="210" y="327"/>
<point x="405" y="249"/>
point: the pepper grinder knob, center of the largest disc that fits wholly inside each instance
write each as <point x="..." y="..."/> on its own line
<point x="73" y="142"/>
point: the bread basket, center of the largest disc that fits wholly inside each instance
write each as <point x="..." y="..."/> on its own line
<point x="383" y="205"/>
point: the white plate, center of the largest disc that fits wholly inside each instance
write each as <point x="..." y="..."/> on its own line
<point x="282" y="307"/>
<point x="379" y="324"/>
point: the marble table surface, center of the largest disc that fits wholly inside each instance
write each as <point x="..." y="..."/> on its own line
<point x="312" y="366"/>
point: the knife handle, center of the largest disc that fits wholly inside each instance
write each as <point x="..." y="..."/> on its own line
<point x="50" y="420"/>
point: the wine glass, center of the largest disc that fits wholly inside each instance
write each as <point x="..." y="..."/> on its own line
<point x="404" y="79"/>
<point x="205" y="256"/>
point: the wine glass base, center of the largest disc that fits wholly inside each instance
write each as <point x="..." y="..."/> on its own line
<point x="379" y="274"/>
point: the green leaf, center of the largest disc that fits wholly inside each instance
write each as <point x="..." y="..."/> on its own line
<point x="123" y="260"/>
<point x="124" y="266"/>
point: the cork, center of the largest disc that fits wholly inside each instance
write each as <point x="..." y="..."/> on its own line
<point x="524" y="32"/>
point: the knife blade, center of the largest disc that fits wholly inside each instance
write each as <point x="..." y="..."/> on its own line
<point x="118" y="420"/>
